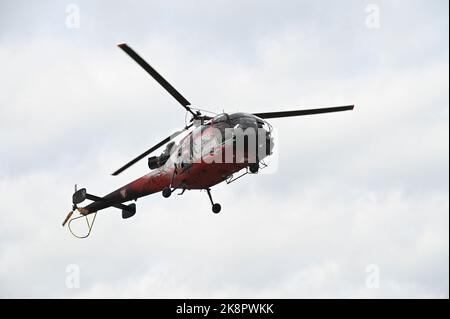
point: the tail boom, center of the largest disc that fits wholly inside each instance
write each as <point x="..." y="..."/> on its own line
<point x="145" y="185"/>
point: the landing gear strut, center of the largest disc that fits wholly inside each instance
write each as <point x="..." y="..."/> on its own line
<point x="215" y="206"/>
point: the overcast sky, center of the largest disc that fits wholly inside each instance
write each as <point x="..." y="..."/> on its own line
<point x="355" y="204"/>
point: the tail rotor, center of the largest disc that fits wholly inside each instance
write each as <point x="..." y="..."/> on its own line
<point x="74" y="208"/>
<point x="78" y="196"/>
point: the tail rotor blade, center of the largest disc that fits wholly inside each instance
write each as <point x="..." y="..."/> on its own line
<point x="67" y="218"/>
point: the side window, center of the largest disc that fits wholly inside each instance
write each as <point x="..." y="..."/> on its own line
<point x="209" y="142"/>
<point x="184" y="153"/>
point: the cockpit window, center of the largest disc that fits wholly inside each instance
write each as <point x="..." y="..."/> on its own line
<point x="220" y="122"/>
<point x="220" y="118"/>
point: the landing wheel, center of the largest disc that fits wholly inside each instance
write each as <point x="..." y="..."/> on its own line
<point x="166" y="192"/>
<point x="216" y="208"/>
<point x="254" y="168"/>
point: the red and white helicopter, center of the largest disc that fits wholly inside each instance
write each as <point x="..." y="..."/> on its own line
<point x="212" y="150"/>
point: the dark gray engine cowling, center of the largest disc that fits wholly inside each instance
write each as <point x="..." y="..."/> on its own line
<point x="153" y="162"/>
<point x="158" y="161"/>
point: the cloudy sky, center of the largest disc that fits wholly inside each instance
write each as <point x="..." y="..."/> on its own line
<point x="355" y="204"/>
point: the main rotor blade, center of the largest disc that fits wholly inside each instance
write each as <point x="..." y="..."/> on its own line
<point x="271" y="115"/>
<point x="158" y="77"/>
<point x="150" y="150"/>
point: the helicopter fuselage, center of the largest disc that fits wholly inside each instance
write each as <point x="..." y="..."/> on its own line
<point x="206" y="156"/>
<point x="212" y="151"/>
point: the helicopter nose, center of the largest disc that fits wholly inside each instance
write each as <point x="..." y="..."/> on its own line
<point x="266" y="144"/>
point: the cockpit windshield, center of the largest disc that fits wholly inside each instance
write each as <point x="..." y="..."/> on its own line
<point x="220" y="118"/>
<point x="221" y="122"/>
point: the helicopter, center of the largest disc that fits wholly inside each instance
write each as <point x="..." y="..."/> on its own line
<point x="211" y="150"/>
